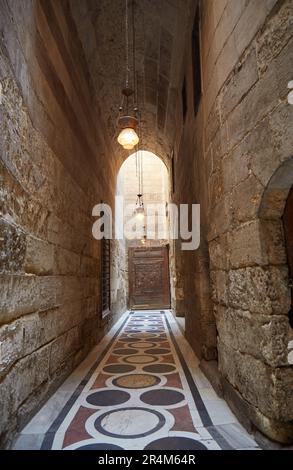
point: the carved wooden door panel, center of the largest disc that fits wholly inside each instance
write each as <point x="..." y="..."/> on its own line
<point x="288" y="229"/>
<point x="149" y="284"/>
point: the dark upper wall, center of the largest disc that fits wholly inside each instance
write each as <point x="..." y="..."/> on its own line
<point x="160" y="32"/>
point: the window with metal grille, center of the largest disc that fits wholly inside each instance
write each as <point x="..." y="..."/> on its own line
<point x="105" y="276"/>
<point x="196" y="62"/>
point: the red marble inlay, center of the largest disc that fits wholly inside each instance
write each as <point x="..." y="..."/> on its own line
<point x="168" y="359"/>
<point x="76" y="430"/>
<point x="121" y="344"/>
<point x="173" y="380"/>
<point x="183" y="420"/>
<point x="100" y="381"/>
<point x="113" y="359"/>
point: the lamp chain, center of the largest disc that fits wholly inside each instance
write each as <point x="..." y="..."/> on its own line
<point x="127" y="44"/>
<point x="133" y="54"/>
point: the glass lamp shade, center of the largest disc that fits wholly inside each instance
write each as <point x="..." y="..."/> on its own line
<point x="139" y="213"/>
<point x="128" y="138"/>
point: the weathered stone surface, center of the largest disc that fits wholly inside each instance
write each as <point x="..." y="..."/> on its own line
<point x="278" y="289"/>
<point x="259" y="290"/>
<point x="39" y="258"/>
<point x="272" y="240"/>
<point x="256" y="104"/>
<point x="241" y="370"/>
<point x="280" y="122"/>
<point x="244" y="77"/>
<point x="219" y="255"/>
<point x="246" y="199"/>
<point x="67" y="262"/>
<point x="275" y="36"/>
<point x="220" y="218"/>
<point x="219" y="280"/>
<point x="235" y="168"/>
<point x="248" y="290"/>
<point x="264" y="337"/>
<point x="12" y="247"/>
<point x="261" y="148"/>
<point x="11" y="345"/>
<point x="245" y="246"/>
<point x="63" y="347"/>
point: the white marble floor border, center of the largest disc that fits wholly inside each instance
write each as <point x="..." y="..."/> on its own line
<point x="32" y="435"/>
<point x="223" y="420"/>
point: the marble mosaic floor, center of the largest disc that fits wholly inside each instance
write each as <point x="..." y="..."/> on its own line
<point x="141" y="388"/>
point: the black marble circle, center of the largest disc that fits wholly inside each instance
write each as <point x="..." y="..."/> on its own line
<point x="99" y="447"/>
<point x="118" y="368"/>
<point x="162" y="397"/>
<point x="175" y="443"/>
<point x="98" y="423"/>
<point x="108" y="398"/>
<point x="158" y="351"/>
<point x="159" y="368"/>
<point x="125" y="352"/>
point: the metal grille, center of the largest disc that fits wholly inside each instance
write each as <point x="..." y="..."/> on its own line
<point x="105" y="276"/>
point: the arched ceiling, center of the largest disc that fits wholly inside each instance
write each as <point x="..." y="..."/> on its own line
<point x="161" y="28"/>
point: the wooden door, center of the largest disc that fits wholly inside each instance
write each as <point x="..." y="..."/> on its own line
<point x="288" y="229"/>
<point x="149" y="284"/>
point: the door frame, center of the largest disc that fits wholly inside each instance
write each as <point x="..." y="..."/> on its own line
<point x="130" y="266"/>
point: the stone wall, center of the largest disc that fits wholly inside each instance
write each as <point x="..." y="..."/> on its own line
<point x="233" y="147"/>
<point x="55" y="167"/>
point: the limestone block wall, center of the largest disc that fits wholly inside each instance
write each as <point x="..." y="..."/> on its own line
<point x="239" y="146"/>
<point x="54" y="168"/>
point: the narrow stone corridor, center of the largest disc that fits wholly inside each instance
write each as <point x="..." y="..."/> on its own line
<point x="142" y="389"/>
<point x="146" y="166"/>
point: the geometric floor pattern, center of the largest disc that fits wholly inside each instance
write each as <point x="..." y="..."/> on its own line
<point x="139" y="394"/>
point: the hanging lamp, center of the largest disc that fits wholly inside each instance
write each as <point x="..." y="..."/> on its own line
<point x="139" y="209"/>
<point x="128" y="122"/>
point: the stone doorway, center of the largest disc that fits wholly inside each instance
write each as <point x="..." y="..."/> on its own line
<point x="149" y="282"/>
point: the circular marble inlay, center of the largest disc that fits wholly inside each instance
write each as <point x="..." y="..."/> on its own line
<point x="118" y="368"/>
<point x="131" y="330"/>
<point x="140" y="359"/>
<point x="125" y="340"/>
<point x="136" y="381"/>
<point x="125" y="352"/>
<point x="108" y="398"/>
<point x="144" y="335"/>
<point x="162" y="397"/>
<point x="142" y="345"/>
<point x="159" y="368"/>
<point x="158" y="340"/>
<point x="158" y="351"/>
<point x="129" y="423"/>
<point x="175" y="443"/>
<point x="99" y="447"/>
